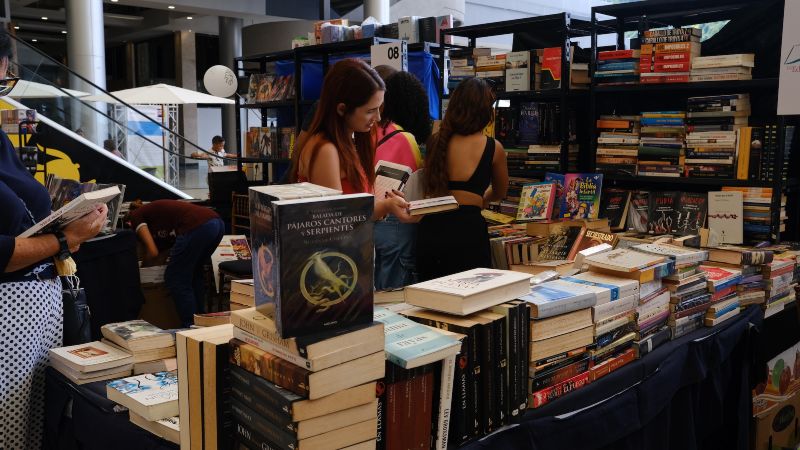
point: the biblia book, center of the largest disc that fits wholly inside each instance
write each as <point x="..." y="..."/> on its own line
<point x="313" y="261"/>
<point x="72" y="211"/>
<point x="582" y="195"/>
<point x="468" y="292"/>
<point x="536" y="201"/>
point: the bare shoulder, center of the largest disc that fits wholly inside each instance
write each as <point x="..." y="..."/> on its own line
<point x="499" y="151"/>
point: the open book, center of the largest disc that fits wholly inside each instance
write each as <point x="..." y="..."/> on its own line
<point x="74" y="210"/>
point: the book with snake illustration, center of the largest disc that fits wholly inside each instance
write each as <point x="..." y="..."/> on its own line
<point x="315" y="266"/>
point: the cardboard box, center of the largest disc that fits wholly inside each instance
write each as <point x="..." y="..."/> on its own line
<point x="775" y="428"/>
<point x="159" y="308"/>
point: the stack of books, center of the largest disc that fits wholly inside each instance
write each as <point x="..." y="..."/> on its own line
<point x="667" y="55"/>
<point x="152" y="402"/>
<point x="661" y="144"/>
<point x="243" y="294"/>
<point x="618" y="144"/>
<point x="95" y="361"/>
<point x="722" y="67"/>
<point x="757" y="209"/>
<point x="713" y="154"/>
<point x="480" y="304"/>
<point x="462" y="65"/>
<point x="779" y="283"/>
<point x="617" y="67"/>
<point x="544" y="157"/>
<point x="492" y="68"/>
<point x="722" y="285"/>
<point x="749" y="263"/>
<point x="152" y="348"/>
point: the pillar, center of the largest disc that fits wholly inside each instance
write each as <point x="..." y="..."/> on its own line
<point x="186" y="69"/>
<point x="230" y="46"/>
<point x="86" y="55"/>
<point x="379" y="9"/>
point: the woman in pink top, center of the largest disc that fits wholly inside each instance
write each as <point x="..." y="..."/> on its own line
<point x="405" y="123"/>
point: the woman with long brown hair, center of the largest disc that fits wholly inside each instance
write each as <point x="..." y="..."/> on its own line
<point x="461" y="161"/>
<point x="339" y="151"/>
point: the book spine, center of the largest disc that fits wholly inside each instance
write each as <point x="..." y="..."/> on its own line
<point x="446" y="389"/>
<point x="551" y="378"/>
<point x="525" y="320"/>
<point x="263" y="409"/>
<point x="501" y="372"/>
<point x="270" y="367"/>
<point x="668" y="47"/>
<point x="617" y="54"/>
<point x="669" y="39"/>
<point x="547" y="395"/>
<point x="606" y="367"/>
<point x="270" y="347"/>
<point x="245" y="435"/>
<point x="487" y="378"/>
<point x="264" y="392"/>
<point x="250" y="419"/>
<point x="514" y="362"/>
<point x="671" y="66"/>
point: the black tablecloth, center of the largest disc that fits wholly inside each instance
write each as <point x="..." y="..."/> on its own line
<point x="108" y="268"/>
<point x="691" y="393"/>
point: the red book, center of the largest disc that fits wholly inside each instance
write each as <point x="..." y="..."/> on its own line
<point x="547" y="395"/>
<point x="610" y="365"/>
<point x="651" y="80"/>
<point x="676" y="79"/>
<point x="618" y="54"/>
<point x="670" y="66"/>
<point x="725" y="291"/>
<point x="674" y="57"/>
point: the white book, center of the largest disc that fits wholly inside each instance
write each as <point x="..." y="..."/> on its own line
<point x="90" y="377"/>
<point x="602" y="293"/>
<point x="91" y="357"/>
<point x="623" y="260"/>
<point x="168" y="428"/>
<point x="619" y="287"/>
<point x="518" y="79"/>
<point x="390" y="176"/>
<point x="740" y="59"/>
<point x="653" y="306"/>
<point x="649" y="287"/>
<point x="445" y="401"/>
<point x="152" y="396"/>
<point x="615" y="308"/>
<point x="468" y="292"/>
<point x="725" y="216"/>
<point x="681" y="255"/>
<point x="72" y="211"/>
<point x="557" y="297"/>
<point x="432" y="205"/>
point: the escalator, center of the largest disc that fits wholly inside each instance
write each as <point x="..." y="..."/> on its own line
<point x="75" y="137"/>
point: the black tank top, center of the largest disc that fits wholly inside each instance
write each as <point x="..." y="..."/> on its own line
<point x="481" y="177"/>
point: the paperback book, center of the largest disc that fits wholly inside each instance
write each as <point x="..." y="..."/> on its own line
<point x="536" y="201"/>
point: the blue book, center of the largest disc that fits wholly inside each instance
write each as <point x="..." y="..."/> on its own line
<point x="632" y="75"/>
<point x="528" y="123"/>
<point x="409" y="344"/>
<point x="732" y="282"/>
<point x="617" y="65"/>
<point x="558" y="297"/>
<point x="645" y="121"/>
<point x="727" y="309"/>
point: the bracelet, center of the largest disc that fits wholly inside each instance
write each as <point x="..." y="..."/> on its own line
<point x="63" y="246"/>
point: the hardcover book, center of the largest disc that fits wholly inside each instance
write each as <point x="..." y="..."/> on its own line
<point x="560" y="242"/>
<point x="662" y="213"/>
<point x="313" y="261"/>
<point x="536" y="201"/>
<point x="614" y="204"/>
<point x="152" y="396"/>
<point x="551" y="68"/>
<point x="467" y="292"/>
<point x="692" y="211"/>
<point x="725" y="216"/>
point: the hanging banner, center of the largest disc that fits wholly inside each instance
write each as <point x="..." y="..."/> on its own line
<point x="145" y="137"/>
<point x="789" y="81"/>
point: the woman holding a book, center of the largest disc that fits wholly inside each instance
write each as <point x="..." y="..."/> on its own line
<point x="461" y="161"/>
<point x="339" y="151"/>
<point x="404" y="124"/>
<point x="31" y="309"/>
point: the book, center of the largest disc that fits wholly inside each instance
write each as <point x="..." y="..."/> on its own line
<point x="212" y="319"/>
<point x="681" y="255"/>
<point x="614" y="204"/>
<point x="467" y="292"/>
<point x="662" y="213"/>
<point x="409" y="344"/>
<point x="159" y="365"/>
<point x="546" y="328"/>
<point x="557" y="297"/>
<point x="312" y="284"/>
<point x="432" y="205"/>
<point x="623" y="260"/>
<point x="167" y="428"/>
<point x="137" y="335"/>
<point x="581" y="197"/>
<point x="562" y="343"/>
<point x="638" y="213"/>
<point x="551" y="68"/>
<point x="72" y="211"/>
<point x="692" y="209"/>
<point x="80" y="378"/>
<point x="560" y="242"/>
<point x="592" y="238"/>
<point x="90" y="357"/>
<point x="725" y="216"/>
<point x="740" y="255"/>
<point x="152" y="396"/>
<point x="536" y="201"/>
<point x="618" y="287"/>
<point x="390" y="176"/>
<point x="317" y="352"/>
<point x="549" y="394"/>
<point x="735" y="60"/>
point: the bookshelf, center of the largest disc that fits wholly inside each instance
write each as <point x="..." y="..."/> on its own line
<point x="740" y="35"/>
<point x="296" y="108"/>
<point x="554" y="30"/>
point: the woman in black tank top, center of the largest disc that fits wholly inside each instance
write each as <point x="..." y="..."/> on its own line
<point x="458" y="240"/>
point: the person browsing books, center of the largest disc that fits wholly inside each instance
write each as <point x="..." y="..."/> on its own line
<point x="405" y="122"/>
<point x="461" y="161"/>
<point x="191" y="233"/>
<point x="217" y="154"/>
<point x="339" y="152"/>
<point x="31" y="311"/>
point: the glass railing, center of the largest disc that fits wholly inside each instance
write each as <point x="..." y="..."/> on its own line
<point x="146" y="136"/>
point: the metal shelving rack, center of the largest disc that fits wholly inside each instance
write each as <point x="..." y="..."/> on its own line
<point x="643" y="15"/>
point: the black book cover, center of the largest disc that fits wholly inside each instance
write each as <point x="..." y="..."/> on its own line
<point x="513" y="361"/>
<point x="505" y="129"/>
<point x="251" y="439"/>
<point x="427" y="29"/>
<point x="559" y="243"/>
<point x="692" y="211"/>
<point x="262" y="391"/>
<point x="487" y="378"/>
<point x="525" y="335"/>
<point x="530" y="123"/>
<point x="262" y="426"/>
<point x="662" y="213"/>
<point x="613" y="204"/>
<point x="324" y="259"/>
<point x="756" y="147"/>
<point x="266" y="410"/>
<point x="638" y="211"/>
<point x="501" y="371"/>
<point x="381" y="391"/>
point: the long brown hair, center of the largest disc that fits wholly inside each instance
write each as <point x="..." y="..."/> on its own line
<point x="468" y="112"/>
<point x="351" y="82"/>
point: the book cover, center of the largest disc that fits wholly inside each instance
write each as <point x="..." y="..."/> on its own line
<point x="582" y="195"/>
<point x="558" y="179"/>
<point x="725" y="216"/>
<point x="692" y="211"/>
<point x="470" y="282"/>
<point x="128" y="334"/>
<point x="551" y="68"/>
<point x="624" y="260"/>
<point x="638" y="213"/>
<point x="536" y="201"/>
<point x="529" y="123"/>
<point x="147" y="390"/>
<point x="662" y="212"/>
<point x="592" y="238"/>
<point x="557" y="297"/>
<point x="390" y="176"/>
<point x="505" y="129"/>
<point x="410" y="344"/>
<point x="559" y="243"/>
<point x="614" y="205"/>
<point x="74" y="210"/>
<point x="91" y="356"/>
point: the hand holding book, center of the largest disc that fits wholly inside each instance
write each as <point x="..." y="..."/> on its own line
<point x="86" y="227"/>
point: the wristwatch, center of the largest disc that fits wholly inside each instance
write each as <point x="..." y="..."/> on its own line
<point x="63" y="247"/>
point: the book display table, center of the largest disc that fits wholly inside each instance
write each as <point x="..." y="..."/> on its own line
<point x="690" y="393"/>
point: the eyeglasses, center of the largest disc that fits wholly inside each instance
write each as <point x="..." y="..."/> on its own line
<point x="7" y="84"/>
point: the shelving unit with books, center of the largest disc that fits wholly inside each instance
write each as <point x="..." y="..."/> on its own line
<point x="719" y="147"/>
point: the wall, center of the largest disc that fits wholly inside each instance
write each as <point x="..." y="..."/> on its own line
<point x="209" y="124"/>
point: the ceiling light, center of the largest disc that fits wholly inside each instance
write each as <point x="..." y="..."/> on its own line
<point x="44" y="18"/>
<point x="63" y="31"/>
<point x="16" y="27"/>
<point x="34" y="40"/>
<point x="170" y="7"/>
<point x="189" y="18"/>
<point x="114" y="1"/>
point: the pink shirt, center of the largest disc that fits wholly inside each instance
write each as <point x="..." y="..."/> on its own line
<point x="401" y="148"/>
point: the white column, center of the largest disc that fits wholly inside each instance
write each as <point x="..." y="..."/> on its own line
<point x="86" y="55"/>
<point x="230" y="46"/>
<point x="379" y="9"/>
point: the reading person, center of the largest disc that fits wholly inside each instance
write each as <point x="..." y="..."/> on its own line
<point x="30" y="292"/>
<point x="461" y="161"/>
<point x="192" y="233"/>
<point x="339" y="152"/>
